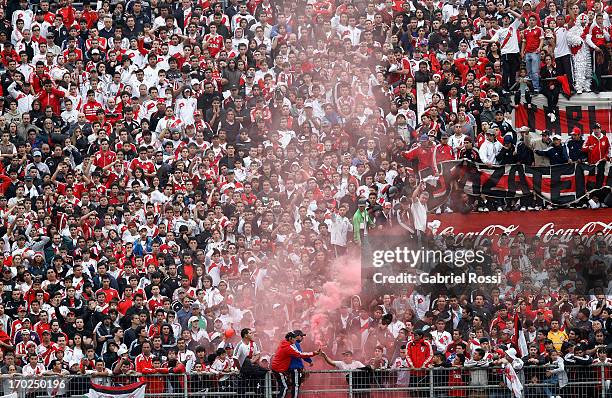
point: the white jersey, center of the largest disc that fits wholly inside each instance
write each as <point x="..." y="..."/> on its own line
<point x="185" y="109"/>
<point x="244" y="350"/>
<point x="508" y="38"/>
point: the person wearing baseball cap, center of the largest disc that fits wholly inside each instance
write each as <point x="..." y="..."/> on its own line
<point x="296" y="368"/>
<point x="557" y="153"/>
<point x="574" y="146"/>
<point x="542" y="144"/>
<point x="281" y="361"/>
<point x="597" y="145"/>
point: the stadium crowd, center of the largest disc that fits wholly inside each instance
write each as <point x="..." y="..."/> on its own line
<point x="178" y="177"/>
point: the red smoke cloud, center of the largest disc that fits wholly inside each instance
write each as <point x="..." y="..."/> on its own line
<point x="345" y="282"/>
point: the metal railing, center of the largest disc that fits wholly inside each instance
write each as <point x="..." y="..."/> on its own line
<point x="438" y="382"/>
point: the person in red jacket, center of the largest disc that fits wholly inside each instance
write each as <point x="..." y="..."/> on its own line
<point x="597" y="146"/>
<point x="282" y="359"/>
<point x="423" y="152"/>
<point x="50" y="96"/>
<point x="419" y="355"/>
<point x="147" y="365"/>
<point x="443" y="151"/>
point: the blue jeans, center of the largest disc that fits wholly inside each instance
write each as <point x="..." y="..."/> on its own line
<point x="551" y="389"/>
<point x="532" y="61"/>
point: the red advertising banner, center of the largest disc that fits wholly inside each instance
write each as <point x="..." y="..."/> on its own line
<point x="581" y="111"/>
<point x="545" y="224"/>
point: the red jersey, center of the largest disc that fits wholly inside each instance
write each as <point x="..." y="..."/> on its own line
<point x="598" y="35"/>
<point x="90" y="109"/>
<point x="215" y="44"/>
<point x="110" y="293"/>
<point x="424" y="156"/>
<point x="104" y="158"/>
<point x="52" y="98"/>
<point x="68" y="14"/>
<point x="420" y="353"/>
<point x="146" y="165"/>
<point x="443" y="152"/>
<point x="532" y="38"/>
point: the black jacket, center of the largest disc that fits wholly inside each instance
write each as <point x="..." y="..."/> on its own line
<point x="524" y="154"/>
<point x="556" y="154"/>
<point x="506" y="155"/>
<point x="574" y="149"/>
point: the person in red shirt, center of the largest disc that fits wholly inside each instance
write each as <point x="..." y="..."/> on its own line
<point x="109" y="292"/>
<point x="143" y="162"/>
<point x="50" y="96"/>
<point x="503" y="320"/>
<point x="146" y="364"/>
<point x="127" y="302"/>
<point x="423" y="152"/>
<point x="597" y="146"/>
<point x="443" y="151"/>
<point x="282" y="359"/>
<point x="104" y="157"/>
<point x="68" y="13"/>
<point x="213" y="41"/>
<point x="531" y="44"/>
<point x="528" y="13"/>
<point x="91" y="106"/>
<point x="600" y="36"/>
<point x="419" y="355"/>
<point x="9" y="53"/>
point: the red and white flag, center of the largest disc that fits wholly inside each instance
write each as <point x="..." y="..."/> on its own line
<point x="134" y="390"/>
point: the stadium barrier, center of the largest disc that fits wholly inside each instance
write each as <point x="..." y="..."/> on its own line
<point x="440" y="382"/>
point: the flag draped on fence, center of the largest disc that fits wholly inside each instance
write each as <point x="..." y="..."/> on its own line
<point x="512" y="381"/>
<point x="561" y="184"/>
<point x="135" y="390"/>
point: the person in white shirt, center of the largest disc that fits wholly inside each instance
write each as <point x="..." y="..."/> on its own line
<point x="456" y="139"/>
<point x="440" y="337"/>
<point x="449" y="10"/>
<point x="24" y="14"/>
<point x="489" y="148"/>
<point x="419" y="211"/>
<point x="70" y="115"/>
<point x="347" y="363"/>
<point x="563" y="54"/>
<point x="340" y="228"/>
<point x="247" y="349"/>
<point x="33" y="368"/>
<point x="22" y="93"/>
<point x="509" y="45"/>
<point x="186" y="107"/>
<point x="151" y="71"/>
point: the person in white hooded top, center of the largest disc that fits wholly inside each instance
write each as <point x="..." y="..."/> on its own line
<point x="489" y="148"/>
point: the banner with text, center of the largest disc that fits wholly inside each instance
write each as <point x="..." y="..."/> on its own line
<point x="581" y="111"/>
<point x="560" y="184"/>
<point x="564" y="224"/>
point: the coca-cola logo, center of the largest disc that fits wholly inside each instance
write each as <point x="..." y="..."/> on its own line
<point x="591" y="229"/>
<point x="546" y="232"/>
<point x="486" y="232"/>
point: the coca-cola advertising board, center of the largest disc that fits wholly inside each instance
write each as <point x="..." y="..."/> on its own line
<point x="544" y="224"/>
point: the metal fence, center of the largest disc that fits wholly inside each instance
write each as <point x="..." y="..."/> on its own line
<point x="439" y="382"/>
